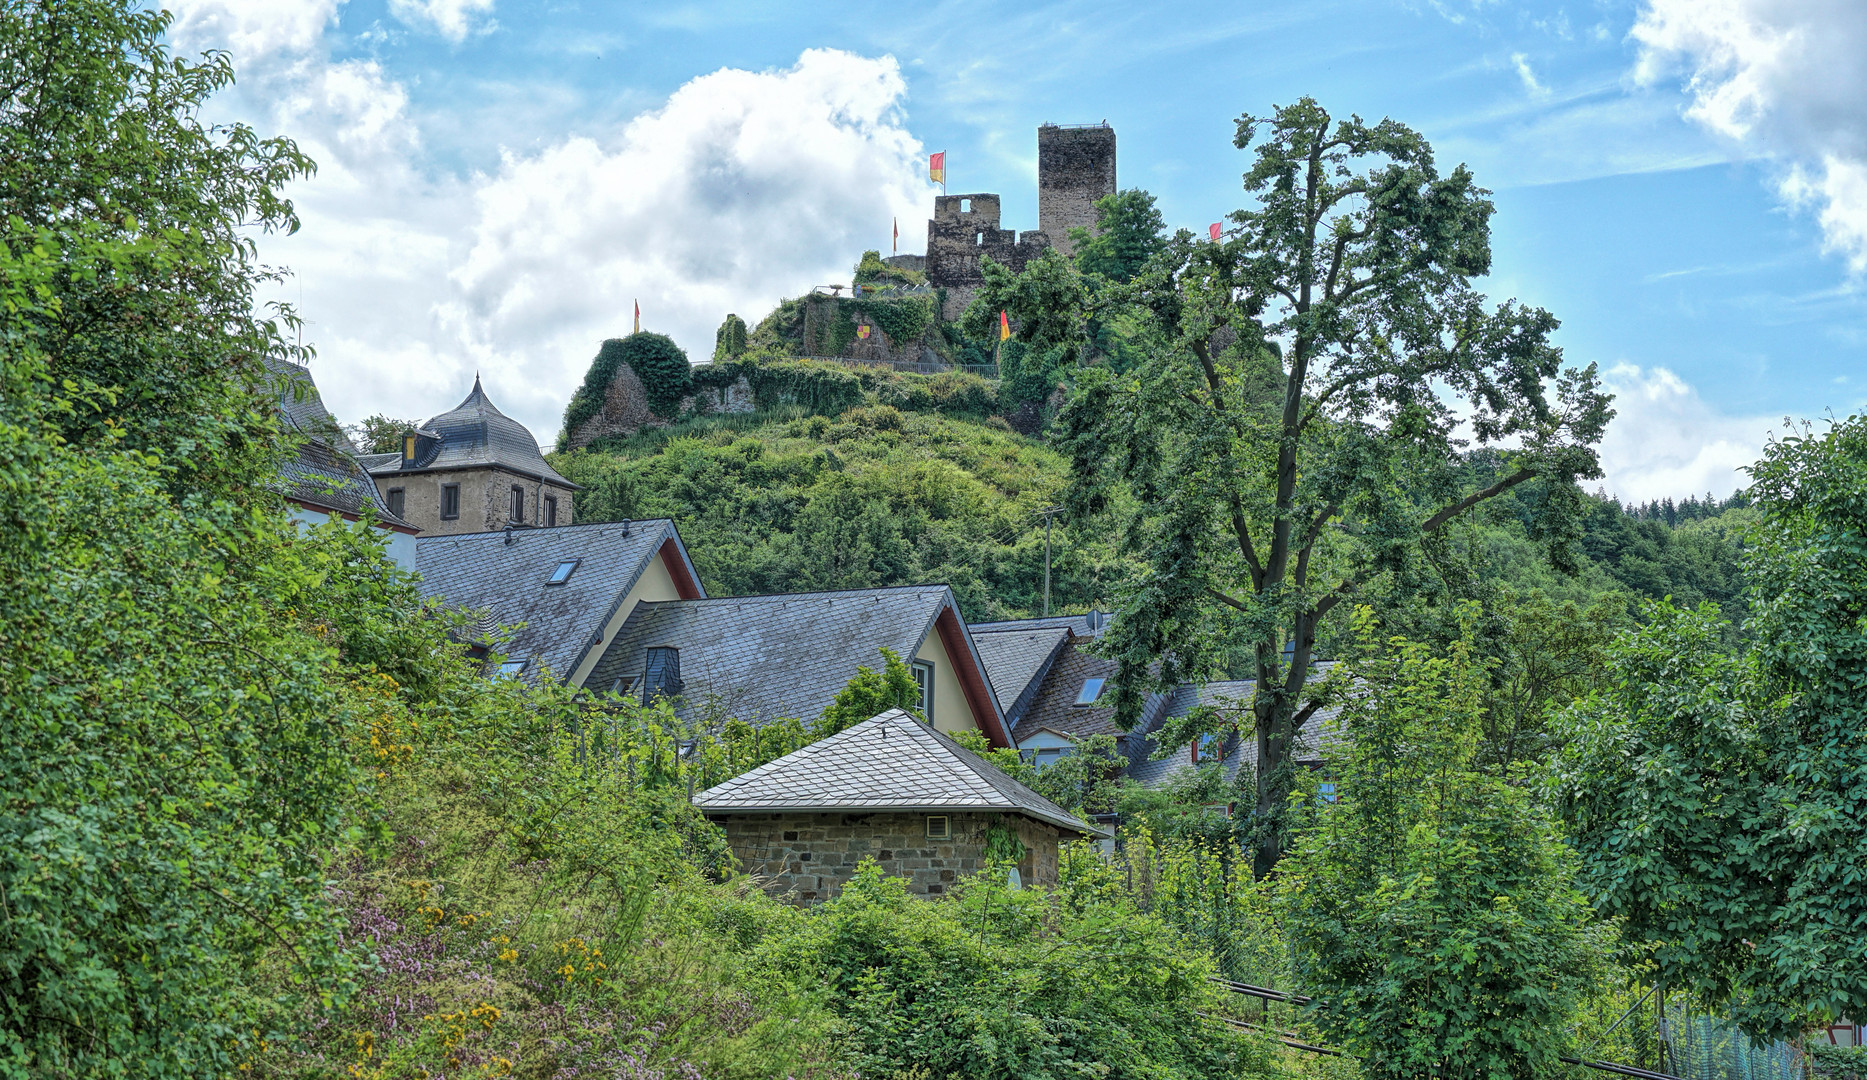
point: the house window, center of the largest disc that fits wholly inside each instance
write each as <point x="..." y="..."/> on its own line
<point x="562" y="574"/>
<point x="450" y="501"/>
<point x="622" y="684"/>
<point x="1209" y="748"/>
<point x="1325" y="791"/>
<point x="923" y="678"/>
<point x="1092" y="689"/>
<point x="551" y="510"/>
<point x="396" y="501"/>
<point x="518" y="503"/>
<point x="1050" y="755"/>
<point x="511" y="669"/>
<point x="939" y="827"/>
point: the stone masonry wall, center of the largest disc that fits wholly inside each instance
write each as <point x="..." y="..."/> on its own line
<point x="964" y="228"/>
<point x="812" y="856"/>
<point x="1075" y="167"/>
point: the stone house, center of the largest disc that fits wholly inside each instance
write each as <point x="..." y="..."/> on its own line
<point x="892" y="789"/>
<point x="471" y="469"/>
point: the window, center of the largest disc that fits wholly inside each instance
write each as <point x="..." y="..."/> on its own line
<point x="551" y="510"/>
<point x="1209" y="748"/>
<point x="450" y="501"/>
<point x="622" y="684"/>
<point x="396" y="501"/>
<point x="939" y="827"/>
<point x="923" y="678"/>
<point x="408" y="447"/>
<point x="1325" y="791"/>
<point x="563" y="572"/>
<point x="1092" y="689"/>
<point x="1050" y="755"/>
<point x="511" y="669"/>
<point x="518" y="503"/>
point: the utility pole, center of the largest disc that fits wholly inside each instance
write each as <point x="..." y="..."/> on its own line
<point x="1048" y="514"/>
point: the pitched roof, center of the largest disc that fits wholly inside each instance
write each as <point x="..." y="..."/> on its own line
<point x="325" y="472"/>
<point x="476" y="434"/>
<point x="505" y="574"/>
<point x="1054" y="706"/>
<point x="1016" y="661"/>
<point x="888" y="762"/>
<point x="762" y="658"/>
<point x="1314" y="742"/>
<point x="1089" y="624"/>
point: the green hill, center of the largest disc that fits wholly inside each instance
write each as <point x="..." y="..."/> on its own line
<point x="787" y="502"/>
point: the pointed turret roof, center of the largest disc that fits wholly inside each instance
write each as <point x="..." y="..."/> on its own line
<point x="888" y="762"/>
<point x="475" y="433"/>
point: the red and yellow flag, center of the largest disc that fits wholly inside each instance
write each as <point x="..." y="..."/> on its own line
<point x="1004" y="325"/>
<point x="936" y="167"/>
<point x="896" y="245"/>
<point x="638" y="316"/>
<point x="1214" y="231"/>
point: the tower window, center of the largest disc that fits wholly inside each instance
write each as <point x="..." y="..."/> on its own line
<point x="396" y="500"/>
<point x="450" y="501"/>
<point x="551" y="510"/>
<point x="518" y="503"/>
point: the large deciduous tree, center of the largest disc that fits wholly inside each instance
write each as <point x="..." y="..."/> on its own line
<point x="1295" y="430"/>
<point x="1717" y="799"/>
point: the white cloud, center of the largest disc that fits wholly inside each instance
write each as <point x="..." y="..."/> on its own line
<point x="1665" y="441"/>
<point x="250" y="29"/>
<point x="1781" y="77"/>
<point x="452" y="19"/>
<point x="1528" y="75"/>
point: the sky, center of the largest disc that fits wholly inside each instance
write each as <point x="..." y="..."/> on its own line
<point x="1682" y="182"/>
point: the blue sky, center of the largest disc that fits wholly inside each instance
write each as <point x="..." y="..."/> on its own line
<point x="1683" y="182"/>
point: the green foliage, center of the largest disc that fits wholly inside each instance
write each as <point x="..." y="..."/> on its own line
<point x="1288" y="438"/>
<point x="1716" y="797"/>
<point x="871" y="270"/>
<point x="729" y="342"/>
<point x="1045" y="304"/>
<point x="379" y="434"/>
<point x="1429" y="906"/>
<point x="822" y="387"/>
<point x="1129" y="232"/>
<point x="657" y="361"/>
<point x="1001" y="983"/>
<point x="904" y="319"/>
<point x="875" y="497"/>
<point x="871" y="693"/>
<point x="1082" y="782"/>
<point x="1836" y="1062"/>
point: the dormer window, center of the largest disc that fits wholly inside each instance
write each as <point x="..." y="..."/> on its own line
<point x="562" y="574"/>
<point x="1092" y="689"/>
<point x="511" y="669"/>
<point x="408" y="448"/>
<point x="1209" y="748"/>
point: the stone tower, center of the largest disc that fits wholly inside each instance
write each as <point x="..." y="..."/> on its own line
<point x="1075" y="167"/>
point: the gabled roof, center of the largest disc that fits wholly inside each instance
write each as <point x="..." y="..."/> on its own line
<point x="763" y="658"/>
<point x="1089" y="624"/>
<point x="324" y="473"/>
<point x="889" y="762"/>
<point x="1016" y="660"/>
<point x="1314" y="741"/>
<point x="475" y="434"/>
<point x="505" y="573"/>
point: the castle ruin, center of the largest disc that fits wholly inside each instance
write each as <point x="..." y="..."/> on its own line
<point x="1075" y="167"/>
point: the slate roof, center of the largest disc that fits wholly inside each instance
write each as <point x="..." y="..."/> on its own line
<point x="1316" y="739"/>
<point x="1016" y="660"/>
<point x="888" y="762"/>
<point x="1090" y="624"/>
<point x="325" y="472"/>
<point x="505" y="574"/>
<point x="762" y="658"/>
<point x="475" y="434"/>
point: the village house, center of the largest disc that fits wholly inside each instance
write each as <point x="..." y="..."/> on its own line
<point x="325" y="478"/>
<point x="895" y="790"/>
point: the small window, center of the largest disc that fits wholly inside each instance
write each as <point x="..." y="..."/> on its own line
<point x="408" y="447"/>
<point x="518" y="504"/>
<point x="396" y="500"/>
<point x="450" y="501"/>
<point x="965" y="206"/>
<point x="1050" y="755"/>
<point x="1209" y="748"/>
<point x="511" y="669"/>
<point x="563" y="572"/>
<point x="939" y="827"/>
<point x="1325" y="791"/>
<point x="551" y="511"/>
<point x="1092" y="689"/>
<point x="923" y="678"/>
<point x="622" y="684"/>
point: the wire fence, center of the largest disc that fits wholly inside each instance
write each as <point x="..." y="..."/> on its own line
<point x="1709" y="1048"/>
<point x="921" y="367"/>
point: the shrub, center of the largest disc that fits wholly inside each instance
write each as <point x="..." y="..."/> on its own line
<point x="729" y="342"/>
<point x="826" y="388"/>
<point x="657" y="361"/>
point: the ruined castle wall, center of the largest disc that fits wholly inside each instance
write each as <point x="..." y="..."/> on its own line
<point x="1075" y="167"/>
<point x="963" y="229"/>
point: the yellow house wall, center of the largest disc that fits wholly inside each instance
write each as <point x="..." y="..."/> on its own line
<point x="951" y="712"/>
<point x="655" y="584"/>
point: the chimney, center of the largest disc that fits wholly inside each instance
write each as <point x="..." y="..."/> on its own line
<point x="663" y="676"/>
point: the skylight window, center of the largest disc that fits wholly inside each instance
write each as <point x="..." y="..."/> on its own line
<point x="1092" y="689"/>
<point x="511" y="669"/>
<point x="562" y="574"/>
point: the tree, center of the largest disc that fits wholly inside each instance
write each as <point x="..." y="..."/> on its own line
<point x="379" y="434"/>
<point x="1430" y="907"/>
<point x="1291" y="436"/>
<point x="657" y="361"/>
<point x="1717" y="798"/>
<point x="729" y="342"/>
<point x="1045" y="304"/>
<point x="1129" y="232"/>
<point x="871" y="693"/>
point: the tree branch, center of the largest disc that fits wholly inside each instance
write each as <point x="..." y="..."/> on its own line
<point x="1454" y="510"/>
<point x="1226" y="600"/>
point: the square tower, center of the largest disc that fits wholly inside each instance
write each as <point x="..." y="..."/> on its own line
<point x="1075" y="167"/>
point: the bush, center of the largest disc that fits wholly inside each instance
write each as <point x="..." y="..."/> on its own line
<point x="826" y="388"/>
<point x="729" y="342"/>
<point x="657" y="361"/>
